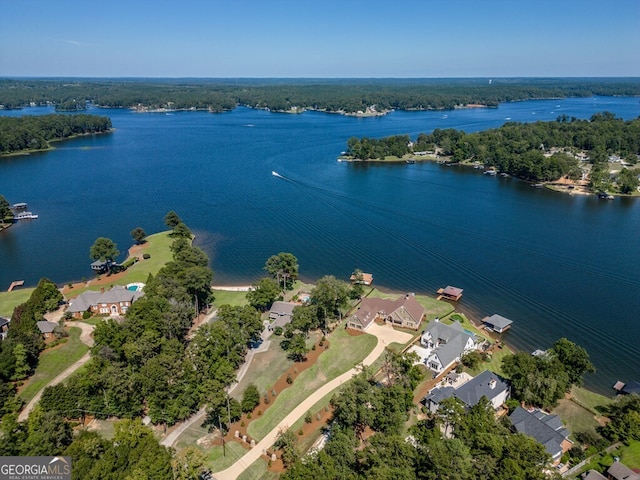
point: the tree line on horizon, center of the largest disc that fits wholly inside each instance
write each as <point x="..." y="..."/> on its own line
<point x="349" y="95"/>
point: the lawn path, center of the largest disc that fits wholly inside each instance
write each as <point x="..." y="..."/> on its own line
<point x="385" y="335"/>
<point x="87" y="339"/>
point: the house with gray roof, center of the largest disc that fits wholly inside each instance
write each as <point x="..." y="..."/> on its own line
<point x="619" y="471"/>
<point x="46" y="327"/>
<point x="404" y="312"/>
<point x="112" y="302"/>
<point x="281" y="314"/>
<point x="447" y="343"/>
<point x="546" y="429"/>
<point x="486" y="384"/>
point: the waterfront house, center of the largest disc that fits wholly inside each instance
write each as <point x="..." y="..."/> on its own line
<point x="497" y="323"/>
<point x="546" y="429"/>
<point x="403" y="312"/>
<point x="112" y="302"/>
<point x="280" y="314"/>
<point x="46" y="328"/>
<point x="446" y="344"/>
<point x="486" y="384"/>
<point x="450" y="293"/>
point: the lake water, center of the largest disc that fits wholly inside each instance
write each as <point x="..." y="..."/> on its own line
<point x="556" y="265"/>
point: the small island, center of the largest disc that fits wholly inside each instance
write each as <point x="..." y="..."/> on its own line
<point x="596" y="156"/>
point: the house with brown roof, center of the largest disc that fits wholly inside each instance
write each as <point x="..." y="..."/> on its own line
<point x="450" y="293"/>
<point x="404" y="312"/>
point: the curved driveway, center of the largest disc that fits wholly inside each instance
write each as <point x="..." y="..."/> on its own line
<point x="385" y="335"/>
<point x="87" y="339"/>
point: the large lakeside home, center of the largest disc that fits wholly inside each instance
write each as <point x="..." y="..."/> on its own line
<point x="112" y="302"/>
<point x="444" y="344"/>
<point x="546" y="429"/>
<point x="486" y="384"/>
<point x="403" y="312"/>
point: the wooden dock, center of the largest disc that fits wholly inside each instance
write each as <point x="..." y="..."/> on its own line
<point x="17" y="283"/>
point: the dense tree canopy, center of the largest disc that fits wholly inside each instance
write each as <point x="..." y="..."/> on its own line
<point x="284" y="268"/>
<point x="34" y="132"/>
<point x="104" y="249"/>
<point x="522" y="149"/>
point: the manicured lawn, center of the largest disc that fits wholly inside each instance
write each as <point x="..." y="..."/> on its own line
<point x="258" y="471"/>
<point x="494" y="365"/>
<point x="53" y="362"/>
<point x="158" y="246"/>
<point x="10" y="300"/>
<point x="630" y="455"/>
<point x="266" y="368"/>
<point x="235" y="299"/>
<point x="218" y="461"/>
<point x="344" y="353"/>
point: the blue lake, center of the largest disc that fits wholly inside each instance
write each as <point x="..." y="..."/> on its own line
<point x="556" y="265"/>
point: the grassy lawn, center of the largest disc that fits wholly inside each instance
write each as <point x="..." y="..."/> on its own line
<point x="494" y="365"/>
<point x="216" y="460"/>
<point x="305" y="444"/>
<point x="53" y="362"/>
<point x="589" y="400"/>
<point x="158" y="246"/>
<point x="576" y="418"/>
<point x="235" y="299"/>
<point x="10" y="300"/>
<point x="630" y="455"/>
<point x="266" y="368"/>
<point x="258" y="471"/>
<point x="344" y="353"/>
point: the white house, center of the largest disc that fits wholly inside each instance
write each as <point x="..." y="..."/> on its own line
<point x="446" y="343"/>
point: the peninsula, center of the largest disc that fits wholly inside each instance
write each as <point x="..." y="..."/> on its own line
<point x="600" y="155"/>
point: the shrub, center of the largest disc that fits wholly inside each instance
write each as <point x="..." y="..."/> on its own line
<point x="314" y="347"/>
<point x="318" y="417"/>
<point x="278" y="331"/>
<point x="86" y="315"/>
<point x="308" y="418"/>
<point x="249" y="416"/>
<point x="146" y="256"/>
<point x="273" y="392"/>
<point x="300" y="432"/>
<point x="242" y="424"/>
<point x="259" y="412"/>
<point x="266" y="399"/>
<point x="67" y="315"/>
<point x="289" y="379"/>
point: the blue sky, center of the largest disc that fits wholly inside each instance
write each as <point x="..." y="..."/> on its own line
<point x="329" y="38"/>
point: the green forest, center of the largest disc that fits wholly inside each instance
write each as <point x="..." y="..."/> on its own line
<point x="337" y="95"/>
<point x="34" y="132"/>
<point x="540" y="151"/>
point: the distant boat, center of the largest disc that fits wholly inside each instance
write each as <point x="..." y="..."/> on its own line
<point x="605" y="196"/>
<point x="537" y="185"/>
<point x="276" y="174"/>
<point x="493" y="173"/>
<point x="410" y="161"/>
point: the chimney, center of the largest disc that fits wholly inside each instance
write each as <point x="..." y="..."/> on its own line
<point x="492" y="383"/>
